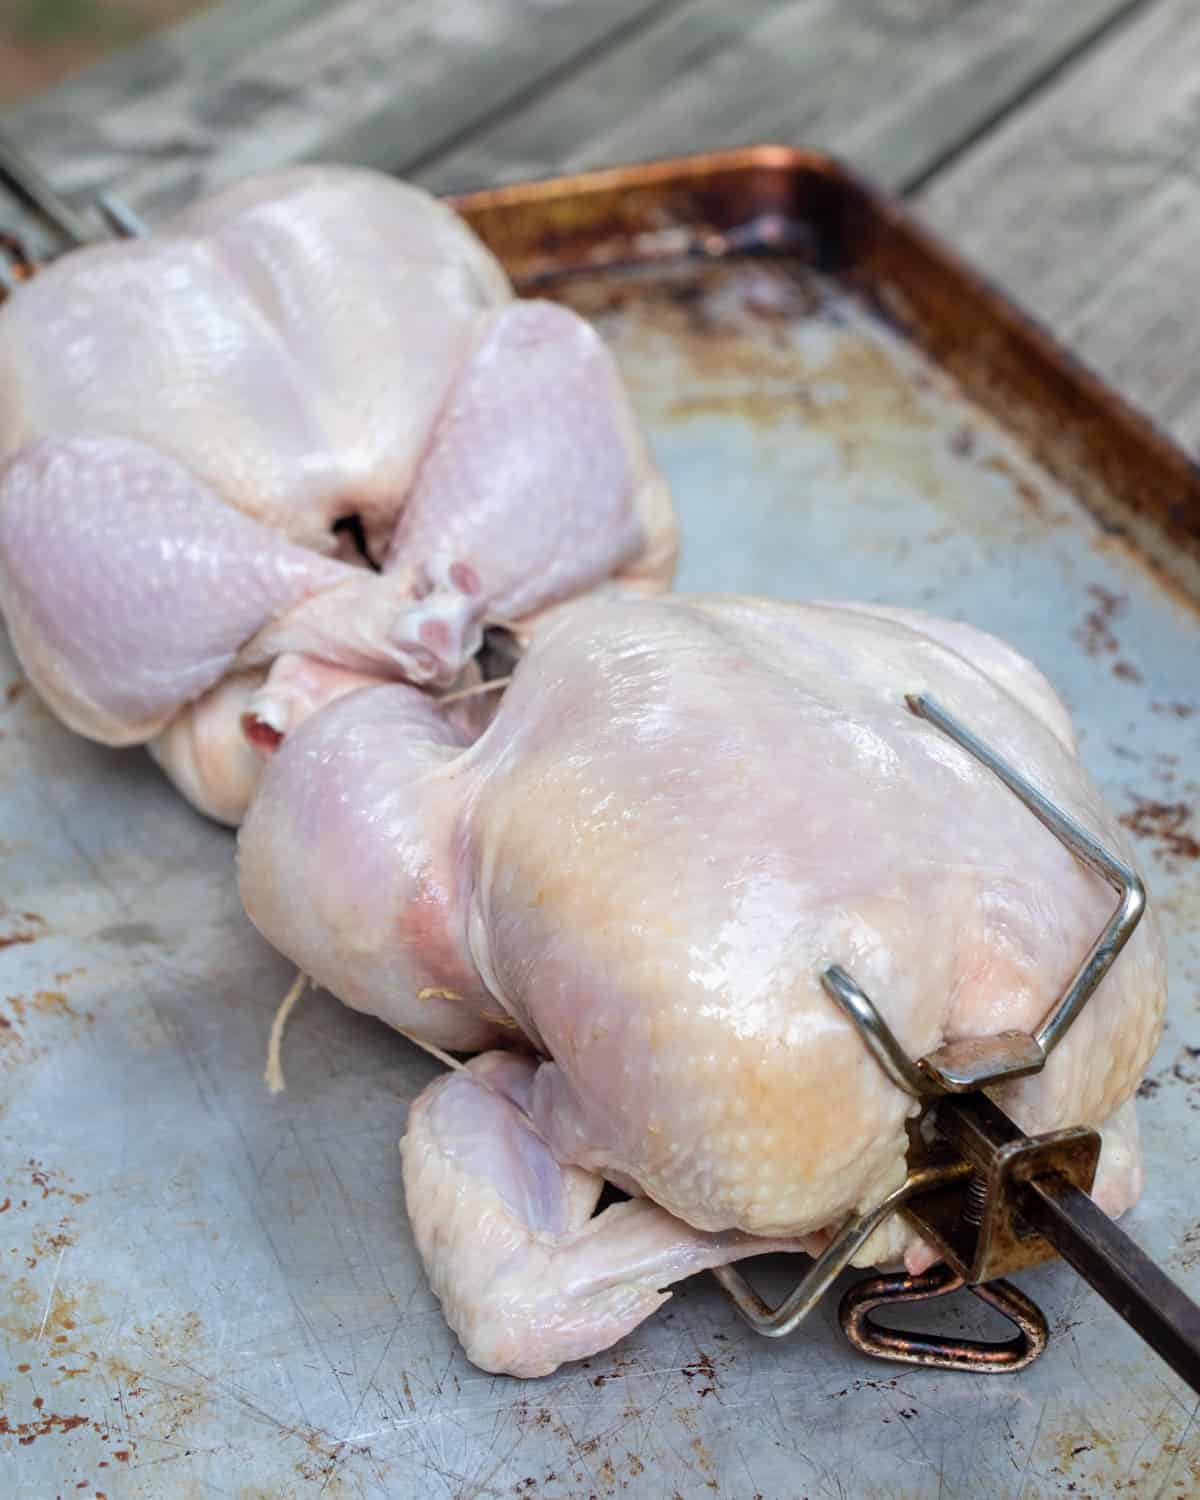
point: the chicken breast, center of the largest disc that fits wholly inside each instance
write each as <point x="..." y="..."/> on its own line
<point x="683" y="811"/>
<point x="187" y="420"/>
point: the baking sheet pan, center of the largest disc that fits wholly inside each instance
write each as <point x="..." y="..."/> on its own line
<point x="209" y="1291"/>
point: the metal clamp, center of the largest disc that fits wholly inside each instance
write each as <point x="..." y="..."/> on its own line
<point x="961" y="1195"/>
<point x="961" y="1067"/>
<point x="855" y="1231"/>
<point x="982" y="1236"/>
<point x="985" y="1356"/>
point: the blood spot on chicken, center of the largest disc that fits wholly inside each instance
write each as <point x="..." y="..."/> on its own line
<point x="1126" y="671"/>
<point x="464" y="578"/>
<point x="13" y="692"/>
<point x="435" y="634"/>
<point x="422" y="924"/>
<point x="264" y="737"/>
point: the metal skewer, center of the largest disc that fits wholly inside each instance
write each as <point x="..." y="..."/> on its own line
<point x="121" y="218"/>
<point x="1119" y="929"/>
<point x="35" y="190"/>
<point x="1111" y="1264"/>
<point x="30" y="186"/>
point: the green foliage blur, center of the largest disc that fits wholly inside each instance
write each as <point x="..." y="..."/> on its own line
<point x="69" y="20"/>
<point x="44" y="41"/>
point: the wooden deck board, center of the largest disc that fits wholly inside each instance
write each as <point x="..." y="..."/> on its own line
<point x="244" y="87"/>
<point x="1086" y="207"/>
<point x="891" y="85"/>
<point x="1083" y="201"/>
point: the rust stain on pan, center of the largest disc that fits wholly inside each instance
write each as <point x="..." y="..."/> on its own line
<point x="152" y="1383"/>
<point x="1097" y="634"/>
<point x="49" y="1182"/>
<point x="22" y="927"/>
<point x="48" y="1242"/>
<point x="783" y="349"/>
<point x="49" y="1326"/>
<point x="735" y="326"/>
<point x="40" y="1021"/>
<point x="1167" y="826"/>
<point x="42" y="1425"/>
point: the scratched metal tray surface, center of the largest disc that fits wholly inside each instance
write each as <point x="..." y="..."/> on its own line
<point x="210" y="1291"/>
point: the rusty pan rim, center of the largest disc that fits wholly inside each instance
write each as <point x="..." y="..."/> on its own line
<point x="1153" y="480"/>
<point x="657" y="172"/>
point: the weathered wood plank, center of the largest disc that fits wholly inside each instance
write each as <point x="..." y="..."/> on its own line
<point x="1086" y="204"/>
<point x="1087" y="207"/>
<point x="891" y="85"/>
<point x="246" y="86"/>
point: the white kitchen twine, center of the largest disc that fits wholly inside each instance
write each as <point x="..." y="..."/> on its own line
<point x="273" y="1073"/>
<point x="493" y="685"/>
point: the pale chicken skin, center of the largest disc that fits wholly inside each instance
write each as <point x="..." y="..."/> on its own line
<point x="184" y="419"/>
<point x="682" y="812"/>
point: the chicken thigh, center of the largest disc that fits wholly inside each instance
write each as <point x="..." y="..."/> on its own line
<point x="186" y="419"/>
<point x="683" y="811"/>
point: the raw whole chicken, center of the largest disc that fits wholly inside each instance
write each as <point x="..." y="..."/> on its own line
<point x="624" y="894"/>
<point x="185" y="419"/>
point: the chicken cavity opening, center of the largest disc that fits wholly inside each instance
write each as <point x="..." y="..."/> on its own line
<point x="351" y="535"/>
